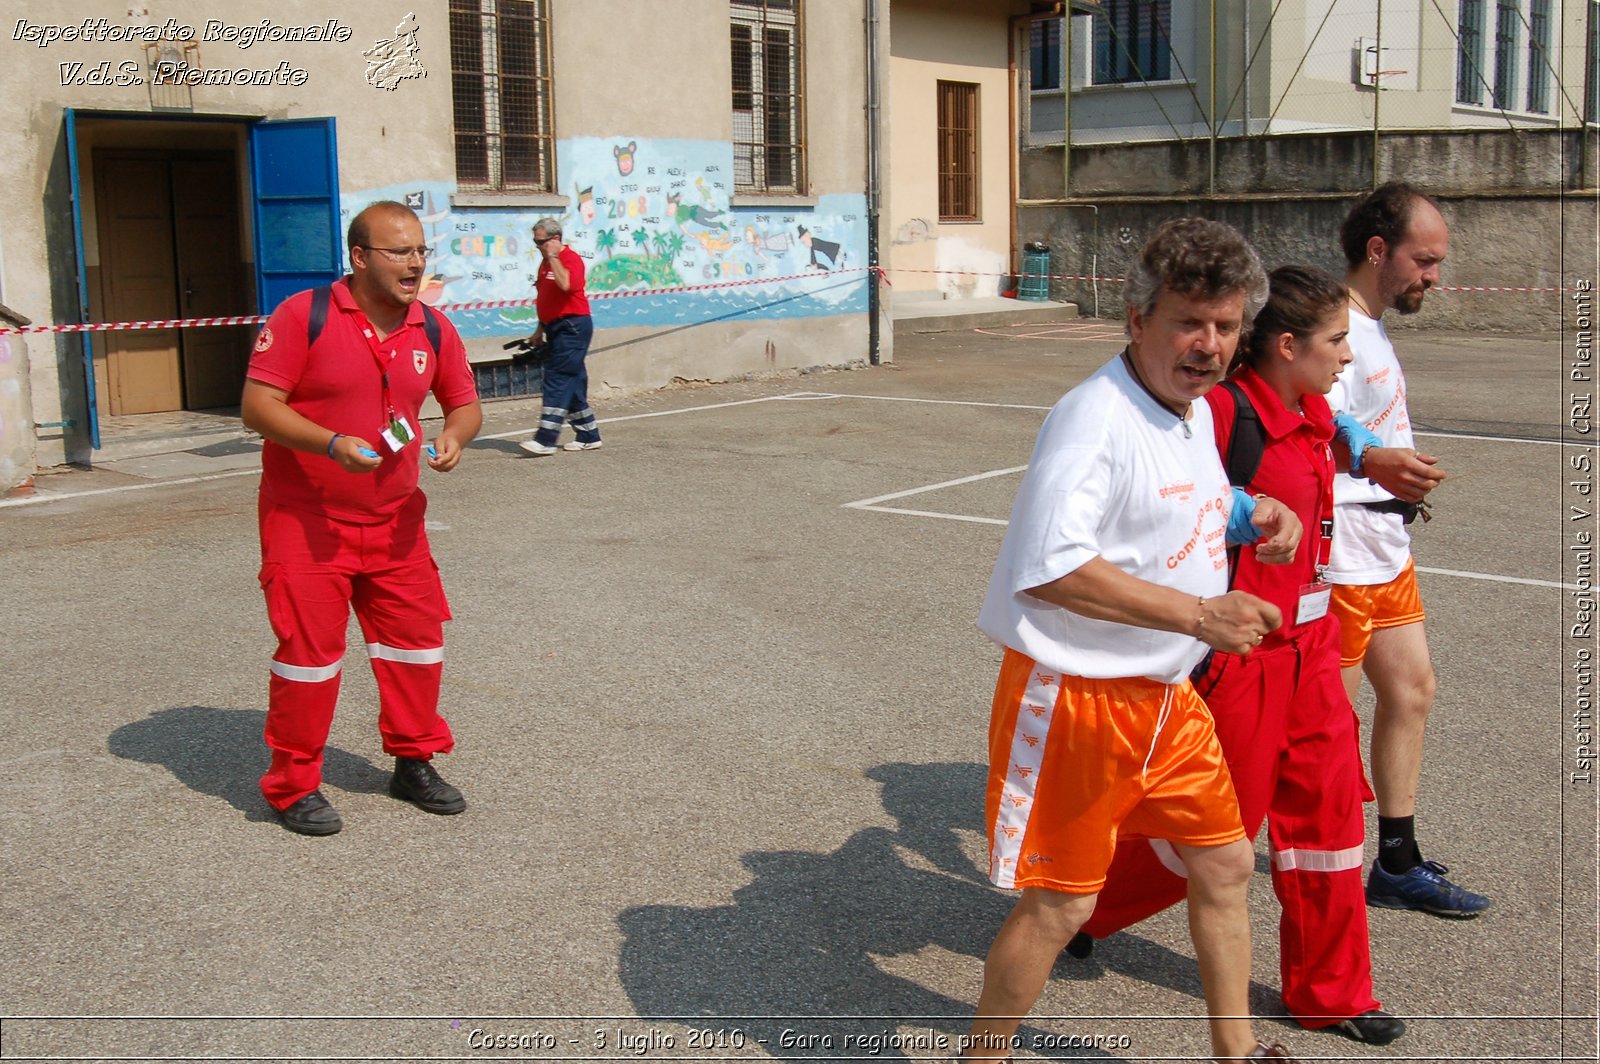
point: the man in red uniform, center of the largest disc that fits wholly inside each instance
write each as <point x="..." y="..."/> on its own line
<point x="564" y="320"/>
<point x="336" y="386"/>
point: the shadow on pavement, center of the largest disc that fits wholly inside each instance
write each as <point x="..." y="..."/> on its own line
<point x="801" y="954"/>
<point x="221" y="752"/>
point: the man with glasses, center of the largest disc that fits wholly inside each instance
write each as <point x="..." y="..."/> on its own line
<point x="564" y="321"/>
<point x="335" y="386"/>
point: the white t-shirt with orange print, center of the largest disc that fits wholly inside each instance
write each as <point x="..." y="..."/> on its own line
<point x="1369" y="547"/>
<point x="1113" y="475"/>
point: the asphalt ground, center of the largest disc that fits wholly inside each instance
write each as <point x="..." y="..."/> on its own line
<point x="721" y="713"/>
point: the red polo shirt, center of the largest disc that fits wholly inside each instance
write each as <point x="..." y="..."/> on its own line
<point x="1297" y="470"/>
<point x="550" y="301"/>
<point x="340" y="387"/>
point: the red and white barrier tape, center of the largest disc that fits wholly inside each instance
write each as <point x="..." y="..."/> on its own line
<point x="1120" y="280"/>
<point x="496" y="304"/>
<point x="258" y="319"/>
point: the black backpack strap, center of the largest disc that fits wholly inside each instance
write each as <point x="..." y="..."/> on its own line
<point x="431" y="326"/>
<point x="1248" y="442"/>
<point x="321" y="299"/>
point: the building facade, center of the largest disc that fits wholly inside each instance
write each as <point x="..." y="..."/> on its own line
<point x="1128" y="70"/>
<point x="728" y="169"/>
<point x="1276" y="115"/>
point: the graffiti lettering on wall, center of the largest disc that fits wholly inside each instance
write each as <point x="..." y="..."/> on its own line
<point x="643" y="214"/>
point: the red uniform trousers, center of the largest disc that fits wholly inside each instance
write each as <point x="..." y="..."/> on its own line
<point x="313" y="569"/>
<point x="1291" y="741"/>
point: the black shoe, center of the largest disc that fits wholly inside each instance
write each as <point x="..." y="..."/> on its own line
<point x="418" y="782"/>
<point x="312" y="815"/>
<point x="1375" y="1028"/>
<point x="1081" y="946"/>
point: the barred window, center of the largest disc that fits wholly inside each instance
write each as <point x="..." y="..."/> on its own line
<point x="1045" y="53"/>
<point x="1591" y="105"/>
<point x="1133" y="41"/>
<point x="500" y="84"/>
<point x="958" y="151"/>
<point x="1507" y="52"/>
<point x="1539" y="57"/>
<point x="1469" y="53"/>
<point x="768" y="95"/>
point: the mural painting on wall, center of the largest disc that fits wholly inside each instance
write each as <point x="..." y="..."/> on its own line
<point x="645" y="215"/>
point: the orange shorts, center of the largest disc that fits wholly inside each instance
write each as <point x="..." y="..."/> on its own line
<point x="1361" y="608"/>
<point x="1076" y="763"/>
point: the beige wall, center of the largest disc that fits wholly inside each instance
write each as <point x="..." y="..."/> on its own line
<point x="930" y="41"/>
<point x="18" y="444"/>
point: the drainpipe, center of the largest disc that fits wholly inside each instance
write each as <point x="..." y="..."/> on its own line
<point x="1377" y="93"/>
<point x="1015" y="116"/>
<point x="1246" y="55"/>
<point x="1211" y="108"/>
<point x="1066" y="105"/>
<point x="1014" y="28"/>
<point x="874" y="177"/>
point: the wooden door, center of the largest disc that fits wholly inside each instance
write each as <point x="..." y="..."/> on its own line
<point x="210" y="279"/>
<point x="133" y="194"/>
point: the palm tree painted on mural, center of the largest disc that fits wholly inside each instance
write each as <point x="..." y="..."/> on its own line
<point x="659" y="239"/>
<point x="605" y="240"/>
<point x="676" y="243"/>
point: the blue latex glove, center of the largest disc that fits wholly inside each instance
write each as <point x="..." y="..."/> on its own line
<point x="1240" y="530"/>
<point x="1356" y="436"/>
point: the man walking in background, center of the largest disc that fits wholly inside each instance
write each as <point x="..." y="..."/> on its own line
<point x="1394" y="241"/>
<point x="564" y="321"/>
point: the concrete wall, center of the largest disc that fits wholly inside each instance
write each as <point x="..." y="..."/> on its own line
<point x="670" y="93"/>
<point x="1517" y="214"/>
<point x="18" y="446"/>
<point x="1476" y="161"/>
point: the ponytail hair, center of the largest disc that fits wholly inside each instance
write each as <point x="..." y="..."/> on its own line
<point x="1299" y="300"/>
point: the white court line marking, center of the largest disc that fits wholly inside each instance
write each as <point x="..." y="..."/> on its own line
<point x="661" y="413"/>
<point x="1501" y="579"/>
<point x="930" y="513"/>
<point x="30" y="500"/>
<point x="1502" y="439"/>
<point x="872" y="504"/>
<point x="941" y="402"/>
<point x="37" y="499"/>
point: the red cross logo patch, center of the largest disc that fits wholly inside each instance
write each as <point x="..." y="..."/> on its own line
<point x="420" y="360"/>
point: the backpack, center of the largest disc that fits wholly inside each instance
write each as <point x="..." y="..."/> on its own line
<point x="322" y="299"/>
<point x="1246" y="439"/>
<point x="1246" y="442"/>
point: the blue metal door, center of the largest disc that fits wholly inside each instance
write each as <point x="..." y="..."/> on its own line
<point x="91" y="415"/>
<point x="294" y="169"/>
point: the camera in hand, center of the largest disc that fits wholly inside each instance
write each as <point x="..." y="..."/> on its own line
<point x="526" y="353"/>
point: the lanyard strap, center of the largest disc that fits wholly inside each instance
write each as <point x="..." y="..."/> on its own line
<point x="1323" y="452"/>
<point x="384" y="361"/>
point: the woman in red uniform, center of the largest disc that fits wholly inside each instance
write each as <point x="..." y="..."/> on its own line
<point x="1287" y="729"/>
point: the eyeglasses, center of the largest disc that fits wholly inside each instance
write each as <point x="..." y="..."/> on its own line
<point x="542" y="243"/>
<point x="402" y="254"/>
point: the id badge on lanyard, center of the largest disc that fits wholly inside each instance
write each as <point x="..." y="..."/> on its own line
<point x="397" y="432"/>
<point x="1315" y="596"/>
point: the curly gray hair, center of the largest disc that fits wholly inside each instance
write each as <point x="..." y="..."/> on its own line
<point x="1198" y="258"/>
<point x="549" y="226"/>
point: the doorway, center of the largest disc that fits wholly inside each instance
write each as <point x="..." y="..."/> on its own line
<point x="170" y="232"/>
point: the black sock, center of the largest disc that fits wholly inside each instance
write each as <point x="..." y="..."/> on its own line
<point x="1397" y="844"/>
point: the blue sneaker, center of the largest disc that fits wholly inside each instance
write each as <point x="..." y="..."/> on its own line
<point x="1423" y="888"/>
